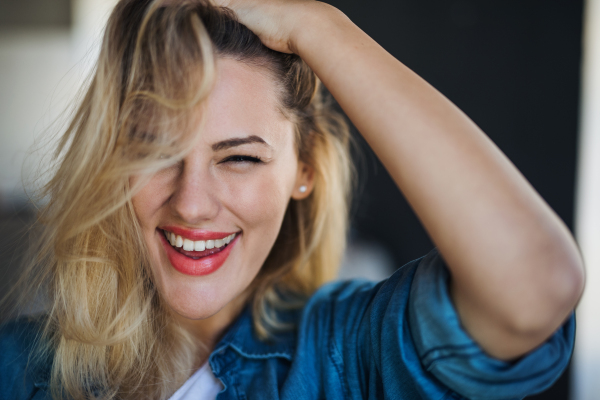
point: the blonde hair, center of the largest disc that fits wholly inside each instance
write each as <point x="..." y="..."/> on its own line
<point x="110" y="333"/>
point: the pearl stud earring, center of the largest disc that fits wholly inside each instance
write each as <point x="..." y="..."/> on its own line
<point x="302" y="189"/>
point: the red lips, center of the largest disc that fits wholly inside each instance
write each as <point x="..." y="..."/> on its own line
<point x="197" y="263"/>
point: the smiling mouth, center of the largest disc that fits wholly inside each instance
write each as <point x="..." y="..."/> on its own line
<point x="196" y="249"/>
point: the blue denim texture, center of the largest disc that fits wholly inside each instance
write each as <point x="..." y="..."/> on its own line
<point x="397" y="339"/>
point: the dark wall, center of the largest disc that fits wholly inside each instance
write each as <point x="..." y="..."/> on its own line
<point x="35" y="14"/>
<point x="512" y="66"/>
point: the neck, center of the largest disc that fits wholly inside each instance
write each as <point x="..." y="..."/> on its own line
<point x="208" y="331"/>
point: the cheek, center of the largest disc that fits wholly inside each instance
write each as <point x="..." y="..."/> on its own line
<point x="262" y="199"/>
<point x="143" y="206"/>
<point x="150" y="198"/>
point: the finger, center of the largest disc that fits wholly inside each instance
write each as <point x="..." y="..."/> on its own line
<point x="221" y="3"/>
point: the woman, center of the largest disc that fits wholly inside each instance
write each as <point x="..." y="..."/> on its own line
<point x="200" y="200"/>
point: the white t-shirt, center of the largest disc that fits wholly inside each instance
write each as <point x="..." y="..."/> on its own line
<point x="203" y="385"/>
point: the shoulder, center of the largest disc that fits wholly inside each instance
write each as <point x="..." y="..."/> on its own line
<point x="357" y="311"/>
<point x="356" y="294"/>
<point x="22" y="370"/>
<point x="355" y="336"/>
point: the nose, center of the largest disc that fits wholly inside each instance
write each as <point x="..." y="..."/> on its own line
<point x="194" y="199"/>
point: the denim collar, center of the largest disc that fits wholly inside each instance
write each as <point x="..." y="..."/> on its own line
<point x="242" y="338"/>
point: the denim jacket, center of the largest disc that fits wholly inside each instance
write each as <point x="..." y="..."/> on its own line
<point x="397" y="339"/>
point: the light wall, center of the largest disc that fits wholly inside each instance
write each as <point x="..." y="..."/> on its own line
<point x="32" y="64"/>
<point x="40" y="73"/>
<point x="586" y="363"/>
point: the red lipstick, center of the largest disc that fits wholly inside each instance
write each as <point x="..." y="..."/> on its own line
<point x="195" y="234"/>
<point x="196" y="263"/>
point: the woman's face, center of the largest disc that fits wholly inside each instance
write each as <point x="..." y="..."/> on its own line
<point x="229" y="193"/>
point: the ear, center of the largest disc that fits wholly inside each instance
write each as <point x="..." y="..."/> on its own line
<point x="305" y="179"/>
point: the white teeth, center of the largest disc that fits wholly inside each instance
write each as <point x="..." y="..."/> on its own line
<point x="188" y="245"/>
<point x="197" y="245"/>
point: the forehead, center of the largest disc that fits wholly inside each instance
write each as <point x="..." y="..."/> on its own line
<point x="244" y="102"/>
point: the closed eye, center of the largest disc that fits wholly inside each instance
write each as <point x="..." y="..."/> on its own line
<point x="238" y="159"/>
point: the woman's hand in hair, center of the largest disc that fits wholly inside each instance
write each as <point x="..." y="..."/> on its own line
<point x="279" y="23"/>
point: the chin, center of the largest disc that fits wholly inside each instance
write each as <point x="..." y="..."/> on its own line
<point x="196" y="300"/>
<point x="195" y="313"/>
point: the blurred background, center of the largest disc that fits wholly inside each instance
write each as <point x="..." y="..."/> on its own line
<point x="528" y="73"/>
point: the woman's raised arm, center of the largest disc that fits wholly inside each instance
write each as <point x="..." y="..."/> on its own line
<point x="516" y="270"/>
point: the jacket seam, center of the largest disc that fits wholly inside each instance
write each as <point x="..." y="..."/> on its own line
<point x="338" y="364"/>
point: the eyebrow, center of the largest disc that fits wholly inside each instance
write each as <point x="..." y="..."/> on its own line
<point x="225" y="144"/>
